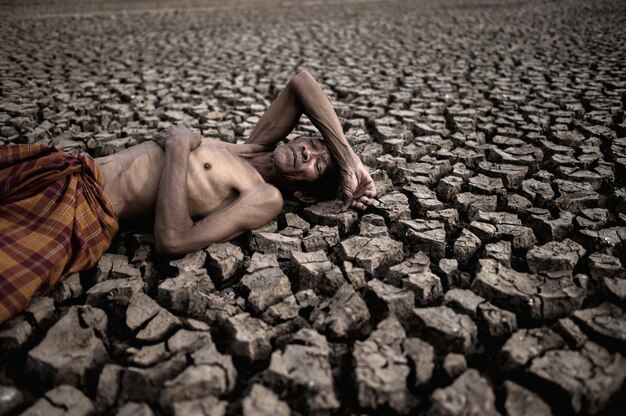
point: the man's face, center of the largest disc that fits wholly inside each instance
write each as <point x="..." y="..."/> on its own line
<point x="304" y="159"/>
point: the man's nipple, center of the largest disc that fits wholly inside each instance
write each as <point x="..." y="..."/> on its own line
<point x="207" y="166"/>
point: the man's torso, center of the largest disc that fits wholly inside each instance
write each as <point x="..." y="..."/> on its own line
<point x="216" y="176"/>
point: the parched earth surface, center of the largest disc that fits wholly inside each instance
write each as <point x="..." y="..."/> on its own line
<point x="488" y="278"/>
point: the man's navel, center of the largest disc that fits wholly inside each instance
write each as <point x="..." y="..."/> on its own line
<point x="207" y="166"/>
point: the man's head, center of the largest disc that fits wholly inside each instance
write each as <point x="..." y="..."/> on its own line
<point x="305" y="168"/>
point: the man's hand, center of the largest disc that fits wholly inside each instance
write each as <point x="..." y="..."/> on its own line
<point x="177" y="134"/>
<point x="357" y="186"/>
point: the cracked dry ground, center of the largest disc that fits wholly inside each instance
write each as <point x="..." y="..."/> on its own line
<point x="487" y="278"/>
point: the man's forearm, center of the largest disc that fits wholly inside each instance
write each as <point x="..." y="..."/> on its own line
<point x="317" y="106"/>
<point x="172" y="211"/>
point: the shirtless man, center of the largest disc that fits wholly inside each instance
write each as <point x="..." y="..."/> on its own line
<point x="204" y="191"/>
<point x="59" y="212"/>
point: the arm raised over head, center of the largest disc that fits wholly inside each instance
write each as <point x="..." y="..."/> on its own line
<point x="303" y="95"/>
<point x="175" y="232"/>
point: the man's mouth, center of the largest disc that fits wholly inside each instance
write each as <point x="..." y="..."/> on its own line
<point x="294" y="157"/>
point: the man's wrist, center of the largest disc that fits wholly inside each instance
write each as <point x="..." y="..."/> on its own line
<point x="348" y="161"/>
<point x="178" y="142"/>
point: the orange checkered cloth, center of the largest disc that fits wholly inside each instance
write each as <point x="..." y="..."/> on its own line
<point x="54" y="220"/>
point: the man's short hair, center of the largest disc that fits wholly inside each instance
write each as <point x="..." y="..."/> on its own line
<point x="327" y="187"/>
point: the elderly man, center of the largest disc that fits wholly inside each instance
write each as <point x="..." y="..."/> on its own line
<point x="59" y="212"/>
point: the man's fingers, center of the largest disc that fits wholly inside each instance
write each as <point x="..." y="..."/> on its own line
<point x="358" y="189"/>
<point x="159" y="139"/>
<point x="347" y="197"/>
<point x="196" y="141"/>
<point x="366" y="188"/>
<point x="362" y="203"/>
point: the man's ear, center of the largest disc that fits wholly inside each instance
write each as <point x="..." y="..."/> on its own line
<point x="305" y="197"/>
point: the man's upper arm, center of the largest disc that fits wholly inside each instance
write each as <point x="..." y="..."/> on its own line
<point x="252" y="209"/>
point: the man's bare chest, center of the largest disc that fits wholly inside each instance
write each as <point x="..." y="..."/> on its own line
<point x="215" y="179"/>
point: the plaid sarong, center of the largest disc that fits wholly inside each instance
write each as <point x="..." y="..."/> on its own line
<point x="54" y="220"/>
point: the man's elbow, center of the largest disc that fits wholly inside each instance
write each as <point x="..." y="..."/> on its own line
<point x="168" y="245"/>
<point x="304" y="74"/>
<point x="302" y="80"/>
<point x="165" y="249"/>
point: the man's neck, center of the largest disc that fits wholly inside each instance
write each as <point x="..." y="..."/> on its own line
<point x="263" y="162"/>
